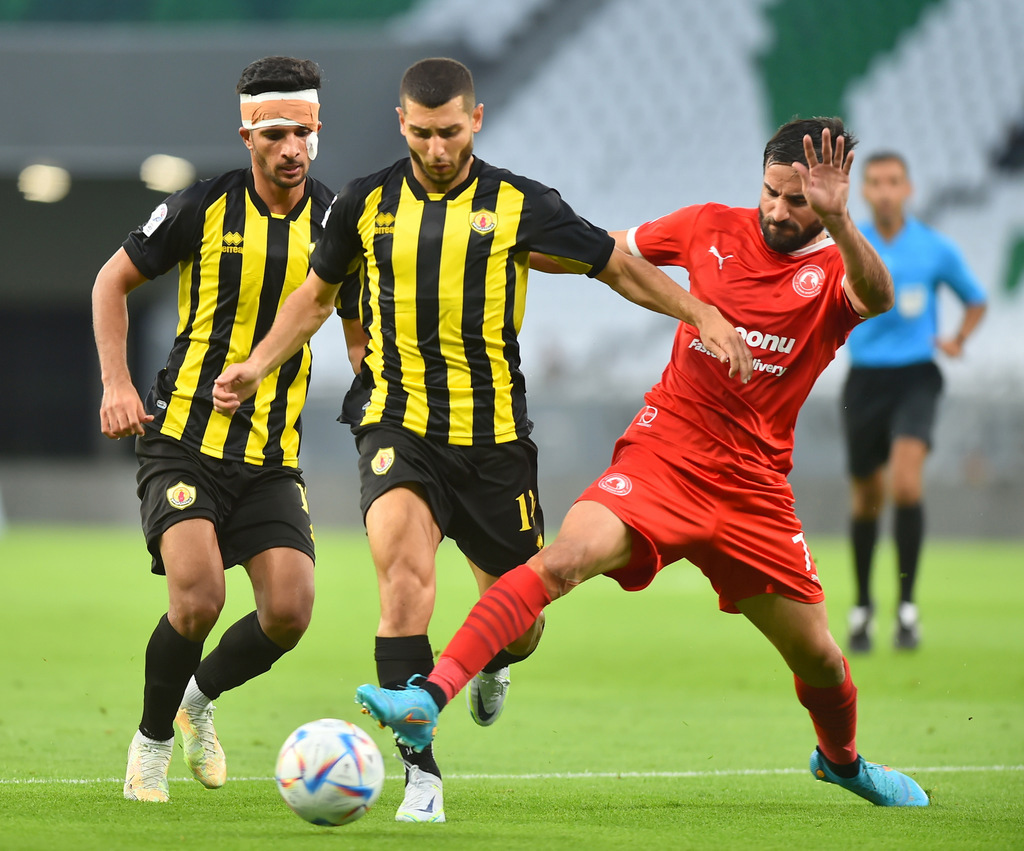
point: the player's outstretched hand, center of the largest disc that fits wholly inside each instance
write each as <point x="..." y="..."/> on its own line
<point x="233" y="386"/>
<point x="722" y="339"/>
<point x="826" y="184"/>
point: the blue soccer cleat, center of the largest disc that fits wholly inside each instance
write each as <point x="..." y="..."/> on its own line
<point x="883" y="786"/>
<point x="410" y="712"/>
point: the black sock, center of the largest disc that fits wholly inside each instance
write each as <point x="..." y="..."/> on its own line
<point x="244" y="652"/>
<point x="909" y="534"/>
<point x="864" y="534"/>
<point x="398" y="659"/>
<point x="503" y="659"/>
<point x="436" y="692"/>
<point x="847" y="771"/>
<point x="171" y="659"/>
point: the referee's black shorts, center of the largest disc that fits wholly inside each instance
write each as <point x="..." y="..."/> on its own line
<point x="252" y="508"/>
<point x="882" y="403"/>
<point x="482" y="497"/>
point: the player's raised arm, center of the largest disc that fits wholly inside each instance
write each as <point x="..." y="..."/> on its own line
<point x="646" y="285"/>
<point x="826" y="186"/>
<point x="302" y="313"/>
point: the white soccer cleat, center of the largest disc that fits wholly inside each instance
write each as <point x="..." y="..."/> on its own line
<point x="203" y="753"/>
<point x="424" y="798"/>
<point x="908" y="628"/>
<point x="486" y="695"/>
<point x="146" y="777"/>
<point x="861" y="628"/>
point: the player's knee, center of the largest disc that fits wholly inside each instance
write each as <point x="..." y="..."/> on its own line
<point x="906" y="490"/>
<point x="195" y="617"/>
<point x="285" y="622"/>
<point x="405" y="575"/>
<point x="286" y="632"/>
<point x="868" y="497"/>
<point x="823" y="665"/>
<point x="559" y="576"/>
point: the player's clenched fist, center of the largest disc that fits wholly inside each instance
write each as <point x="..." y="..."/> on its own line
<point x="233" y="386"/>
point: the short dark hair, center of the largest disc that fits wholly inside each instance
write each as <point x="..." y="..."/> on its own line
<point x="278" y="74"/>
<point x="885" y="157"/>
<point x="787" y="145"/>
<point x="433" y="82"/>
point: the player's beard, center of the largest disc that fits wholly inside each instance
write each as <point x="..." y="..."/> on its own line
<point x="787" y="236"/>
<point x="272" y="174"/>
<point x="442" y="182"/>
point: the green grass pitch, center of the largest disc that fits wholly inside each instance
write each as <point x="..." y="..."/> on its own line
<point x="644" y="720"/>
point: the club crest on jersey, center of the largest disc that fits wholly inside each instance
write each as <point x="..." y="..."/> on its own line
<point x="383" y="460"/>
<point x="808" y="281"/>
<point x="483" y="221"/>
<point x="181" y="495"/>
<point x="616" y="483"/>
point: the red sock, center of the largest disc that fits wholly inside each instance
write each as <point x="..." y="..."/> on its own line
<point x="499" y="617"/>
<point x="834" y="714"/>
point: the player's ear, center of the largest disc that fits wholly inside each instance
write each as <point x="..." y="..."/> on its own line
<point x="246" y="137"/>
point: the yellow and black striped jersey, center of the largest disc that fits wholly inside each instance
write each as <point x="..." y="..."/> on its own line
<point x="237" y="263"/>
<point x="439" y="285"/>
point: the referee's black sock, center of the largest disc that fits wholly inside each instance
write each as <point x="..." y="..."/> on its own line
<point x="171" y="660"/>
<point x="244" y="652"/>
<point x="909" y="535"/>
<point x="399" y="658"/>
<point x="863" y="534"/>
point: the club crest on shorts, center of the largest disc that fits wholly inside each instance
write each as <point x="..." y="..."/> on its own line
<point x="483" y="221"/>
<point x="181" y="495"/>
<point x="383" y="460"/>
<point x="616" y="483"/>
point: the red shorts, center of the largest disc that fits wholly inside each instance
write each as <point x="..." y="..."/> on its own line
<point x="740" y="529"/>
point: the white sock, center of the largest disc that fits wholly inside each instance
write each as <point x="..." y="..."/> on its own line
<point x="194" y="697"/>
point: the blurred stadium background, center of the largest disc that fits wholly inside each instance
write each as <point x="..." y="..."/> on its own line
<point x="631" y="108"/>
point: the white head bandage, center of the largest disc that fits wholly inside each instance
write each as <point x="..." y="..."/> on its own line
<point x="283" y="109"/>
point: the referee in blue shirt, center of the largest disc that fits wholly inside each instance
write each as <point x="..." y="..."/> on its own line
<point x="891" y="393"/>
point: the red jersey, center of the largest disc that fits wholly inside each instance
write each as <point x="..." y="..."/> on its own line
<point x="791" y="310"/>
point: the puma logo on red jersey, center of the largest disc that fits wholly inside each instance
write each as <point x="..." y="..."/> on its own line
<point x="714" y="250"/>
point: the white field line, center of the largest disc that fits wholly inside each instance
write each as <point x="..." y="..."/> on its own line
<point x="569" y="775"/>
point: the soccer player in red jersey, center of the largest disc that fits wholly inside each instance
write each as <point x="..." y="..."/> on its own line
<point x="701" y="472"/>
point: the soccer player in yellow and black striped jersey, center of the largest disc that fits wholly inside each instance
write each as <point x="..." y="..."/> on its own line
<point x="218" y="491"/>
<point x="430" y="258"/>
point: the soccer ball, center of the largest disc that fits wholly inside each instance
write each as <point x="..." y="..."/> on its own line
<point x="329" y="772"/>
